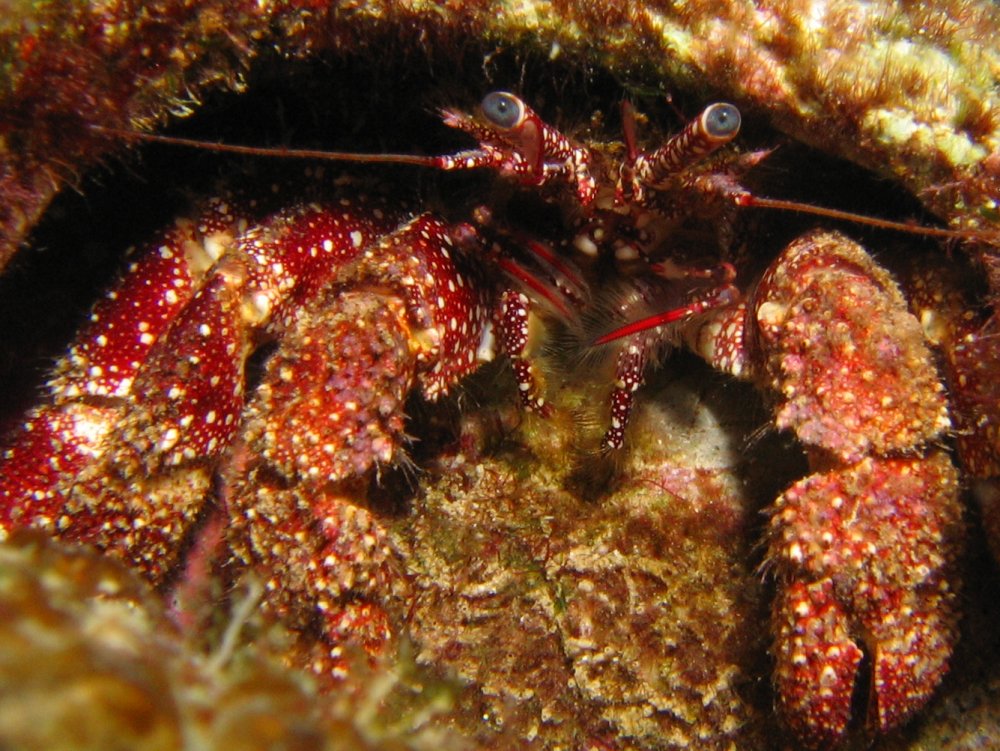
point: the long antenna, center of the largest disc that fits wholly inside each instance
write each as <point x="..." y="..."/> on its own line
<point x="436" y="162"/>
<point x="271" y="151"/>
<point x="752" y="201"/>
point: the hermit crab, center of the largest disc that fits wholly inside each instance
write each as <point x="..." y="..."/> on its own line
<point x="153" y="422"/>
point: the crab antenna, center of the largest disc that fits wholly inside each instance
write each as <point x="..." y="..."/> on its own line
<point x="748" y="200"/>
<point x="276" y="151"/>
<point x="717" y="125"/>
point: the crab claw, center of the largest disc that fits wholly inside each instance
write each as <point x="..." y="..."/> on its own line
<point x="865" y="557"/>
<point x="864" y="549"/>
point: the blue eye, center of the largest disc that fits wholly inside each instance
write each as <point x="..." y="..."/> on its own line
<point x="503" y="110"/>
<point x="721" y="120"/>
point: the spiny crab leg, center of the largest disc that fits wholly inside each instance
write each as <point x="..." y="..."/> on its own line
<point x="89" y="392"/>
<point x="152" y="392"/>
<point x="150" y="407"/>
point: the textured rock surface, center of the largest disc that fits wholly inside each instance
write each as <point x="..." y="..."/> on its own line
<point x="619" y="619"/>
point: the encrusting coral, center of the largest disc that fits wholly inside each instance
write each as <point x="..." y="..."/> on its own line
<point x="92" y="660"/>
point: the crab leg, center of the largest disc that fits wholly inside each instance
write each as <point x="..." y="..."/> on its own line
<point x="518" y="331"/>
<point x="643" y="338"/>
<point x="330" y="405"/>
<point x="151" y="394"/>
<point x="93" y="383"/>
<point x="329" y="408"/>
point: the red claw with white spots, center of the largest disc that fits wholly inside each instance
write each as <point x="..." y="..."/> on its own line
<point x="149" y="416"/>
<point x="150" y="402"/>
<point x="865" y="549"/>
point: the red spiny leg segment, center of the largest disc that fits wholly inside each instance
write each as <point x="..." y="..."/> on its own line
<point x="298" y="250"/>
<point x="125" y="324"/>
<point x="189" y="394"/>
<point x="722" y="341"/>
<point x="518" y="331"/>
<point x="445" y="294"/>
<point x="58" y="441"/>
<point x="331" y="405"/>
<point x="629" y="376"/>
<point x="53" y="443"/>
<point x="148" y="485"/>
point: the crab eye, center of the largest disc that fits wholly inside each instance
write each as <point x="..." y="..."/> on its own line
<point x="721" y="121"/>
<point x="503" y="110"/>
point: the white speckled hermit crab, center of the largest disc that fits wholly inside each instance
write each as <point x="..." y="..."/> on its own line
<point x="367" y="302"/>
